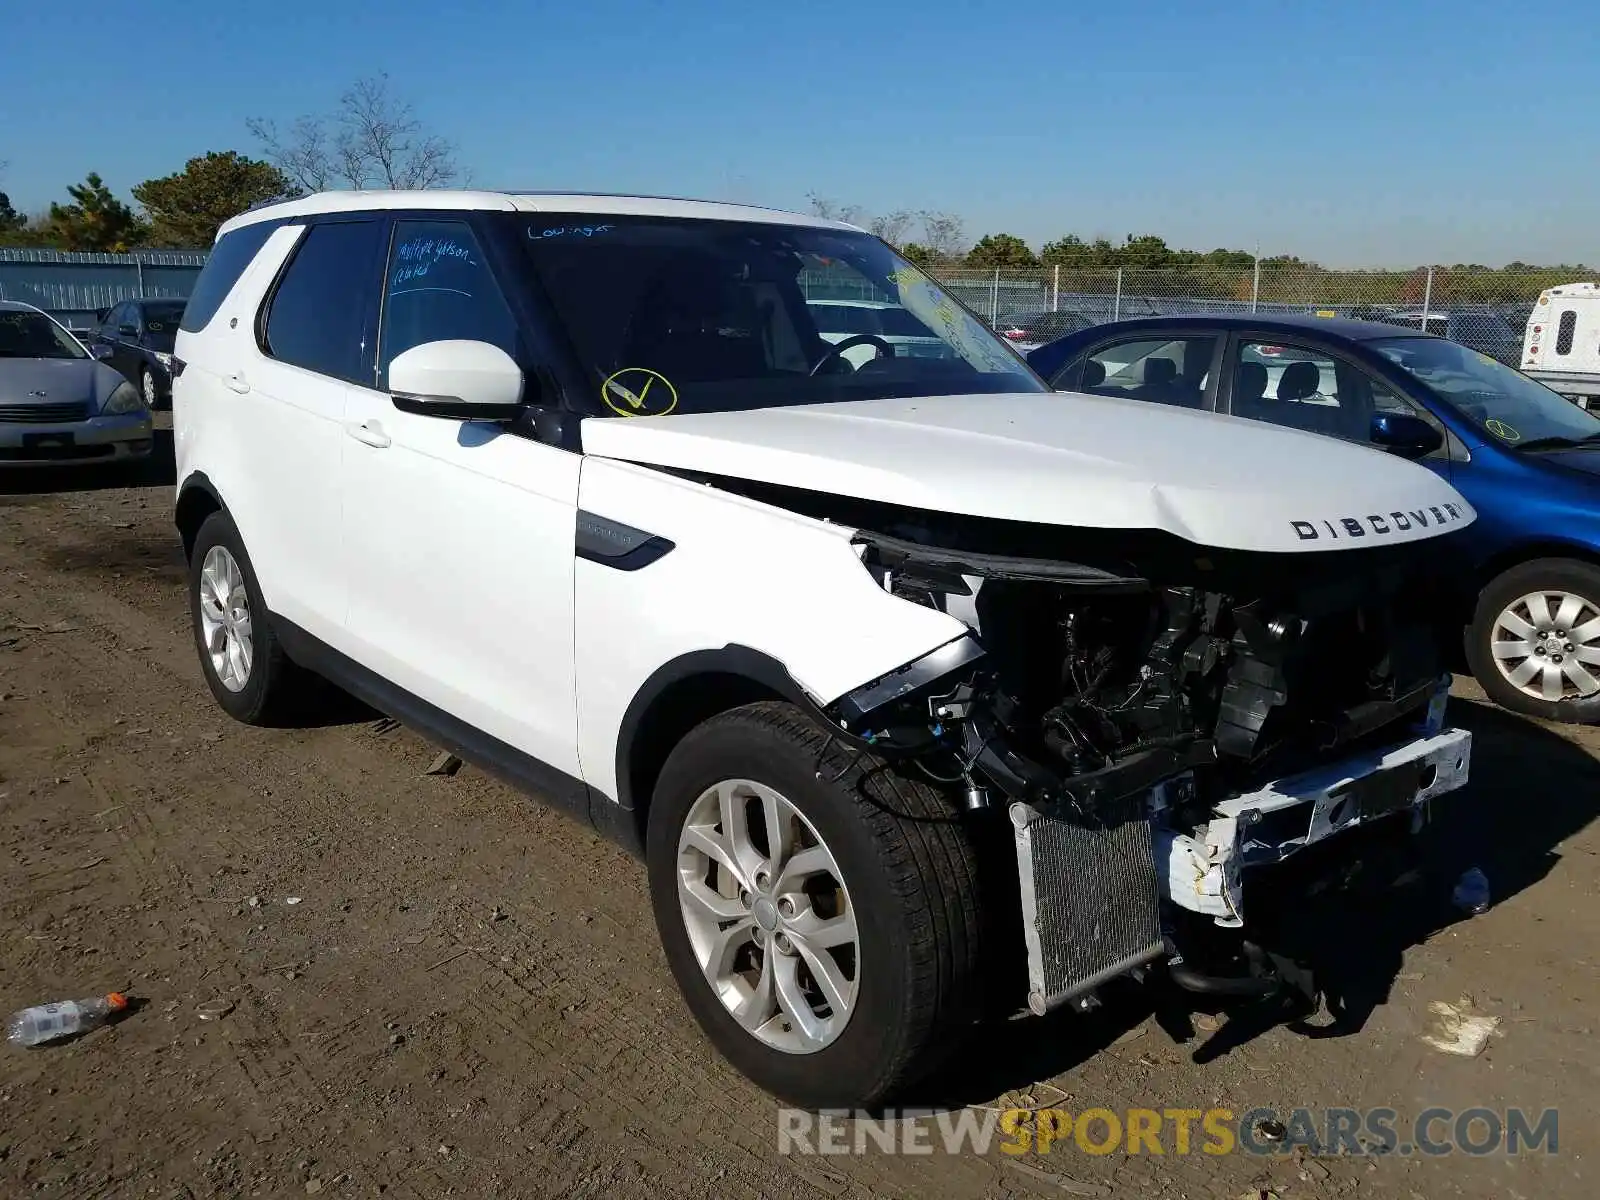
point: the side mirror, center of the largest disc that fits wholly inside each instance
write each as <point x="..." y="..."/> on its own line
<point x="128" y="330"/>
<point x="1405" y="434"/>
<point x="457" y="380"/>
<point x="100" y="351"/>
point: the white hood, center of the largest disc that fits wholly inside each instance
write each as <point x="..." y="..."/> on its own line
<point x="1061" y="458"/>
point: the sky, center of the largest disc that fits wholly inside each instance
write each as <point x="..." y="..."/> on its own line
<point x="1355" y="133"/>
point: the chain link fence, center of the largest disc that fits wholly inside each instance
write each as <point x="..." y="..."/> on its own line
<point x="1487" y="309"/>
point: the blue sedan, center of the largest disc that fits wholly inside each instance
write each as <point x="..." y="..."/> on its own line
<point x="1528" y="460"/>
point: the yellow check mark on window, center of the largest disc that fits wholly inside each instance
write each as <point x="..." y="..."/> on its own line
<point x="636" y="402"/>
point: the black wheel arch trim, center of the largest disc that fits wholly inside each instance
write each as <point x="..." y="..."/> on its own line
<point x="731" y="659"/>
<point x="197" y="483"/>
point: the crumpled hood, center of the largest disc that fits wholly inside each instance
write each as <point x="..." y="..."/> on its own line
<point x="1061" y="458"/>
<point x="66" y="381"/>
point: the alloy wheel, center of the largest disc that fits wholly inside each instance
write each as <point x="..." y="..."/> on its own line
<point x="768" y="916"/>
<point x="225" y="619"/>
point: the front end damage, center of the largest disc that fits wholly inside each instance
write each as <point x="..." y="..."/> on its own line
<point x="1154" y="721"/>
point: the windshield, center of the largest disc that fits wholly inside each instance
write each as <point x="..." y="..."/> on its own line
<point x="34" y="335"/>
<point x="161" y="321"/>
<point x="691" y="316"/>
<point x="1505" y="404"/>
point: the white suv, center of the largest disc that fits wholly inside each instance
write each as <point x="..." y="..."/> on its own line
<point x="926" y="693"/>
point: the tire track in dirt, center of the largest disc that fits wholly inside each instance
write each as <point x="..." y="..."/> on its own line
<point x="648" y="1052"/>
<point x="551" y="1056"/>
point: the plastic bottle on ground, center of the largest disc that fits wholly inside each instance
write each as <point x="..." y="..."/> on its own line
<point x="47" y="1022"/>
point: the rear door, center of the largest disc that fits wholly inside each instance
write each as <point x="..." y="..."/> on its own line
<point x="313" y="340"/>
<point x="1178" y="367"/>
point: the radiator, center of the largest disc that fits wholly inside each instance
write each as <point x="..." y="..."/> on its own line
<point x="1090" y="905"/>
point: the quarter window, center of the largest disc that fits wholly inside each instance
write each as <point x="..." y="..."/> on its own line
<point x="233" y="252"/>
<point x="440" y="288"/>
<point x="321" y="309"/>
<point x="1565" y="331"/>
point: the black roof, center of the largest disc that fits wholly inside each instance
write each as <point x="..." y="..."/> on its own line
<point x="1338" y="327"/>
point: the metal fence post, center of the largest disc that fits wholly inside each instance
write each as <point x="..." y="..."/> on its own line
<point x="138" y="265"/>
<point x="1427" y="300"/>
<point x="994" y="301"/>
<point x="1116" y="305"/>
<point x="1055" y="288"/>
<point x="1255" y="285"/>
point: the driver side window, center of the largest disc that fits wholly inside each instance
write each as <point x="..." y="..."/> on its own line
<point x="438" y="287"/>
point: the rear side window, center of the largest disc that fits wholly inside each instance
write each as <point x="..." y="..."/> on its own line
<point x="1166" y="370"/>
<point x="323" y="306"/>
<point x="1565" y="331"/>
<point x="233" y="252"/>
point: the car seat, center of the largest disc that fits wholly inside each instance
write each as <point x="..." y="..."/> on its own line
<point x="694" y="323"/>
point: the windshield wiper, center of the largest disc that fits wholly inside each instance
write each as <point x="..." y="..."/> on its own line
<point x="1557" y="442"/>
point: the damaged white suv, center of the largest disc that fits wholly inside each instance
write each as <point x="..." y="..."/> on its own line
<point x="924" y="691"/>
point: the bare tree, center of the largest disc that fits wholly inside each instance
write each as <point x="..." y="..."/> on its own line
<point x="373" y="140"/>
<point x="942" y="233"/>
<point x="302" y="153"/>
<point x="892" y="227"/>
<point x="831" y="210"/>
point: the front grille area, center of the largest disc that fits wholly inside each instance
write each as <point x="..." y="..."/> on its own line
<point x="1090" y="904"/>
<point x="42" y="414"/>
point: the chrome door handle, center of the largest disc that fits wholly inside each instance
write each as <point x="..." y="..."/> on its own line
<point x="370" y="433"/>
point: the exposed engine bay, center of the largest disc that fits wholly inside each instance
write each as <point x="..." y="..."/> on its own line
<point x="1154" y="717"/>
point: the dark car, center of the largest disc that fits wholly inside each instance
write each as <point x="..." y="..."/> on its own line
<point x="1029" y="329"/>
<point x="1526" y="459"/>
<point x="1481" y="329"/>
<point x="136" y="337"/>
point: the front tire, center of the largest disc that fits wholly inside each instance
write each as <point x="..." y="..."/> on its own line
<point x="149" y="388"/>
<point x="244" y="663"/>
<point x="1534" y="641"/>
<point x="820" y="913"/>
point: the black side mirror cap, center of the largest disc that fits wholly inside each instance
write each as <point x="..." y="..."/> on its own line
<point x="1405" y="434"/>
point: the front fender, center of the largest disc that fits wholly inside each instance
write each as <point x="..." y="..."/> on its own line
<point x="785" y="589"/>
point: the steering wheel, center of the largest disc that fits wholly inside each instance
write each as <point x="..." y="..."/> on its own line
<point x="884" y="349"/>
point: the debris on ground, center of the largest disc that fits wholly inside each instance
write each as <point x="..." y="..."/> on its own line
<point x="214" y="1010"/>
<point x="1457" y="1030"/>
<point x="50" y="1022"/>
<point x="445" y="764"/>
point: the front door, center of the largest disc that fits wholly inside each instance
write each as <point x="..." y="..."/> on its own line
<point x="459" y="534"/>
<point x="1311" y="387"/>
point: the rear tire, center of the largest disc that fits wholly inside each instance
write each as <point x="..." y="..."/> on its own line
<point x="906" y="873"/>
<point x="244" y="663"/>
<point x="1525" y="622"/>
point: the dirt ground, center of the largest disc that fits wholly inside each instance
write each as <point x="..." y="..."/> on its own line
<point x="440" y="989"/>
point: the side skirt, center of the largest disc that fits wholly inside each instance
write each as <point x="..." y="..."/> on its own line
<point x="527" y="774"/>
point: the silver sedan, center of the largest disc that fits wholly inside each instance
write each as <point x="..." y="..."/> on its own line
<point x="57" y="404"/>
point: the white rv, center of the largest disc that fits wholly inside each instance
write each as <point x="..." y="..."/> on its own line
<point x="1561" y="348"/>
